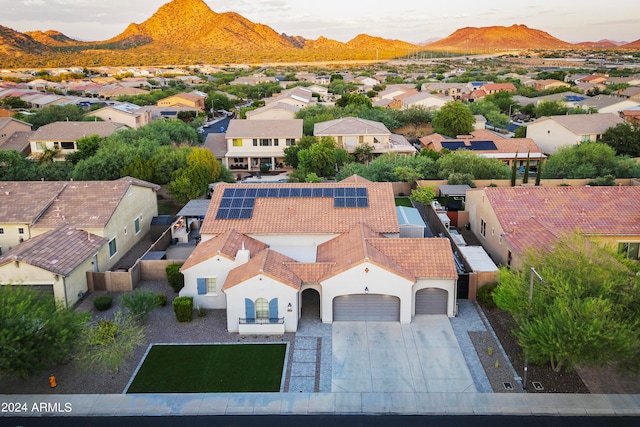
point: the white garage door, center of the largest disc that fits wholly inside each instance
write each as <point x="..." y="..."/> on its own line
<point x="366" y="307"/>
<point x="431" y="301"/>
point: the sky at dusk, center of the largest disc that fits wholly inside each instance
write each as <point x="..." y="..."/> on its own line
<point x="413" y="21"/>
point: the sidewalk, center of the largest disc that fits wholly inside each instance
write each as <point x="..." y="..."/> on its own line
<point x="325" y="403"/>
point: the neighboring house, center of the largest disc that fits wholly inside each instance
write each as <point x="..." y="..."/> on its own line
<point x="631" y="93"/>
<point x="551" y="133"/>
<point x="454" y="90"/>
<point x="491" y="145"/>
<point x="9" y="126"/>
<point x="510" y="220"/>
<point x="606" y="104"/>
<point x="115" y="90"/>
<point x="549" y="84"/>
<point x="166" y="112"/>
<point x="425" y="100"/>
<point x="630" y="116"/>
<point x="299" y="96"/>
<point x="62" y="136"/>
<point x="330" y="244"/>
<point x="183" y="99"/>
<point x="251" y="143"/>
<point x="352" y="132"/>
<point x="491" y="88"/>
<point x="117" y="214"/>
<point x="393" y="96"/>
<point x="593" y="79"/>
<point x="130" y="115"/>
<point x="274" y="111"/>
<point x="252" y="80"/>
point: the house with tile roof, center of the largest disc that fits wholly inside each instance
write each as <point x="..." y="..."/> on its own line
<point x="118" y="213"/>
<point x="9" y="126"/>
<point x="298" y="96"/>
<point x="490" y="145"/>
<point x="352" y="132"/>
<point x="274" y="111"/>
<point x="63" y="136"/>
<point x="425" y="100"/>
<point x="183" y="99"/>
<point x="510" y="220"/>
<point x="551" y="133"/>
<point x="251" y="143"/>
<point x="130" y="115"/>
<point x="264" y="245"/>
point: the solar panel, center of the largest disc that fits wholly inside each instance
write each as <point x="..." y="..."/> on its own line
<point x="305" y="192"/>
<point x="316" y="192"/>
<point x="350" y="192"/>
<point x="453" y="145"/>
<point x="361" y="192"/>
<point x="273" y="192"/>
<point x="262" y="192"/>
<point x="483" y="145"/>
<point x="295" y="192"/>
<point x="350" y="202"/>
<point x="234" y="213"/>
<point x="245" y="213"/>
<point x="248" y="203"/>
<point x="284" y="193"/>
<point x="228" y="192"/>
<point x="240" y="192"/>
<point x="327" y="192"/>
<point x="339" y="202"/>
<point x="338" y="192"/>
<point x="225" y="203"/>
<point x="362" y="202"/>
<point x="222" y="213"/>
<point x="251" y="192"/>
<point x="236" y="203"/>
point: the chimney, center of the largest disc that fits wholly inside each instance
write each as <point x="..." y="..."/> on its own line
<point x="243" y="255"/>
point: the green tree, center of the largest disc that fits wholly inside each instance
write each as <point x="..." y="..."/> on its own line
<point x="407" y="174"/>
<point x="423" y="195"/>
<point x="525" y="178"/>
<point x="192" y="181"/>
<point x="363" y="153"/>
<point x="35" y="333"/>
<point x="14" y="102"/>
<point x="464" y="161"/>
<point x="583" y="314"/>
<point x="87" y="147"/>
<point x="624" y="138"/>
<point x="520" y="132"/>
<point x="585" y="160"/>
<point x="106" y="344"/>
<point x="319" y="158"/>
<point x="55" y="113"/>
<point x="15" y="167"/>
<point x="453" y="119"/>
<point x="140" y="303"/>
<point x="550" y="108"/>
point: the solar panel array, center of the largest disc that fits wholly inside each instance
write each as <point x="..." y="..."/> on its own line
<point x="473" y="145"/>
<point x="238" y="203"/>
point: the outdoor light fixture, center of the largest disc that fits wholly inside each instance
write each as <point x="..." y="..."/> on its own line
<point x="366" y="290"/>
<point x="289" y="307"/>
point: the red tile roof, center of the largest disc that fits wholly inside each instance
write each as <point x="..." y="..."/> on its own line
<point x="268" y="262"/>
<point x="591" y="210"/>
<point x="227" y="244"/>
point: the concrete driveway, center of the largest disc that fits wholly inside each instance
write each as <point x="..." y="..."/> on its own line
<point x="389" y="357"/>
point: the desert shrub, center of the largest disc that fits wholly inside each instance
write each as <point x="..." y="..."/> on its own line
<point x="175" y="277"/>
<point x="183" y="308"/>
<point x="140" y="303"/>
<point x="103" y="302"/>
<point x="485" y="295"/>
<point x="162" y="300"/>
<point x="105" y="332"/>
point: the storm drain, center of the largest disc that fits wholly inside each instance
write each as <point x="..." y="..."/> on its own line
<point x="537" y="385"/>
<point x="507" y="386"/>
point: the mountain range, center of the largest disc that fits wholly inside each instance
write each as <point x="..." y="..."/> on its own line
<point x="188" y="31"/>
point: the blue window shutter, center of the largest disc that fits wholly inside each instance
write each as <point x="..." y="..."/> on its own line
<point x="273" y="308"/>
<point x="202" y="286"/>
<point x="250" y="311"/>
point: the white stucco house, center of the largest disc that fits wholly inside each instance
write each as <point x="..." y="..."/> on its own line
<point x="271" y="251"/>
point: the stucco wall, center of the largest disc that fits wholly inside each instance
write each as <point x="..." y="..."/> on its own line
<point x="218" y="267"/>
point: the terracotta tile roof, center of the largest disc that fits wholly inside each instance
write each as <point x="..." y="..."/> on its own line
<point x="591" y="210"/>
<point x="503" y="145"/>
<point x="355" y="178"/>
<point x="24" y="202"/>
<point x="498" y="87"/>
<point x="227" y="244"/>
<point x="311" y="272"/>
<point x="530" y="234"/>
<point x="72" y="131"/>
<point x="424" y="258"/>
<point x="59" y="251"/>
<point x="268" y="262"/>
<point x="310" y="215"/>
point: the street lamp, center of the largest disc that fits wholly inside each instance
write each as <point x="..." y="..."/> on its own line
<point x="526" y="356"/>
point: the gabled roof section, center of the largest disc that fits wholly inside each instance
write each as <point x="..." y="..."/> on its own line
<point x="355" y="178"/>
<point x="311" y="214"/>
<point x="72" y="131"/>
<point x="590" y="210"/>
<point x="227" y="244"/>
<point x="59" y="251"/>
<point x="24" y="202"/>
<point x="584" y="124"/>
<point x="350" y="126"/>
<point x="268" y="262"/>
<point x="530" y="234"/>
<point x="311" y="272"/>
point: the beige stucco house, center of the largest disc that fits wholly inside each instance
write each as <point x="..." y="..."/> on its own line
<point x="130" y="115"/>
<point x="551" y="133"/>
<point x="63" y="136"/>
<point x="9" y="126"/>
<point x="183" y="99"/>
<point x="251" y="143"/>
<point x="116" y="213"/>
<point x="510" y="220"/>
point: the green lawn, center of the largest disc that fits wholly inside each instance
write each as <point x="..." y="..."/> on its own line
<point x="213" y="368"/>
<point x="403" y="201"/>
